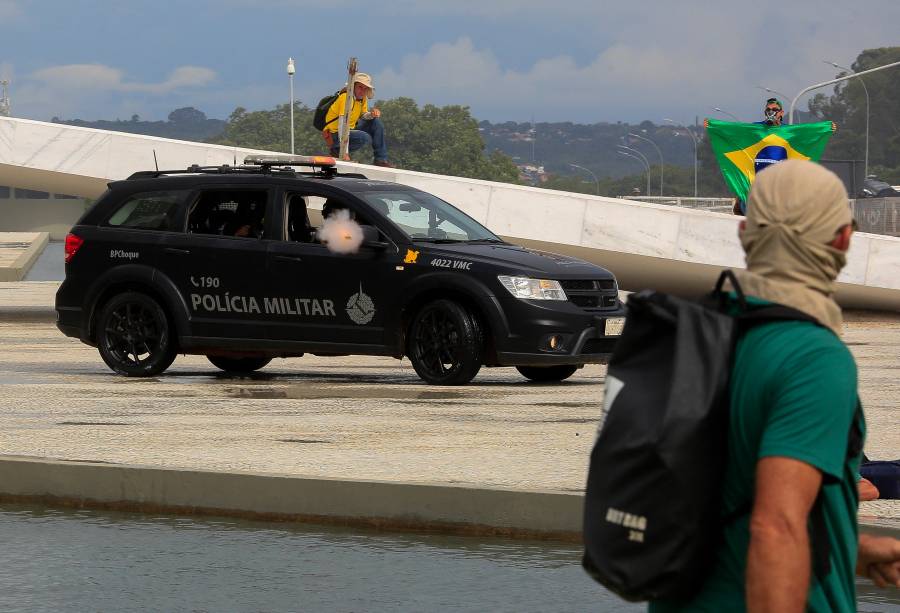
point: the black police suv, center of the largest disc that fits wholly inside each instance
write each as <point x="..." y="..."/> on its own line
<point x="233" y="262"/>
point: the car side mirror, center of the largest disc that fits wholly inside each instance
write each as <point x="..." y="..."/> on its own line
<point x="372" y="237"/>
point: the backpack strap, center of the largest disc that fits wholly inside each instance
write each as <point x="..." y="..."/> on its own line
<point x="718" y="297"/>
<point x="819" y="545"/>
<point x="750" y="318"/>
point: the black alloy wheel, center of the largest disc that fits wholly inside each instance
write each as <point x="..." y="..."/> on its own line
<point x="445" y="344"/>
<point x="238" y="365"/>
<point x="546" y="374"/>
<point x="133" y="336"/>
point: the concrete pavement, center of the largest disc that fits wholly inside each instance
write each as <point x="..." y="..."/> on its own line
<point x="354" y="419"/>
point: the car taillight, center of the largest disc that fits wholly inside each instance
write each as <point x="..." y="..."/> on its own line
<point x="73" y="244"/>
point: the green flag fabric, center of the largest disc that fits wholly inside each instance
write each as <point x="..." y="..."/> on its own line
<point x="744" y="149"/>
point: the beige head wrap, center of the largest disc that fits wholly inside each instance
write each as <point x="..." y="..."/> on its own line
<point x="794" y="210"/>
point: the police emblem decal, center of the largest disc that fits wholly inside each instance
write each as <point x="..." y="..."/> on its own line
<point x="360" y="307"/>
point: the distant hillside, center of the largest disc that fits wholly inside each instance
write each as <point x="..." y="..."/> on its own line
<point x="183" y="124"/>
<point x="557" y="145"/>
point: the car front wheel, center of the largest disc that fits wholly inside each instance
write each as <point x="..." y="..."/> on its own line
<point x="546" y="374"/>
<point x="133" y="336"/>
<point x="238" y="365"/>
<point x="445" y="343"/>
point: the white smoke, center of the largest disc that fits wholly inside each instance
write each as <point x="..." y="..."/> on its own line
<point x="340" y="233"/>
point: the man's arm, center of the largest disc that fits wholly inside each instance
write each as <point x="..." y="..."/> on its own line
<point x="778" y="562"/>
<point x="879" y="560"/>
<point x="867" y="490"/>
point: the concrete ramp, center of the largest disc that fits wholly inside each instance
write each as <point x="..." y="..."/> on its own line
<point x="645" y="245"/>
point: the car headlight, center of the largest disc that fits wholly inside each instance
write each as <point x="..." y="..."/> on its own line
<point x="533" y="289"/>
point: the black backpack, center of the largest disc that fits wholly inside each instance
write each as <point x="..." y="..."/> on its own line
<point x="325" y="103"/>
<point x="652" y="515"/>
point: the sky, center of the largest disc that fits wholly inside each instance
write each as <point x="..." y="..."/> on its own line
<point x="584" y="61"/>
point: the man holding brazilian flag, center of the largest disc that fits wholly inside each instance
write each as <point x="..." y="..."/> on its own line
<point x="744" y="149"/>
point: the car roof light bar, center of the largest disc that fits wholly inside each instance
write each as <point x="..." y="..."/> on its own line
<point x="254" y="164"/>
<point x="290" y="160"/>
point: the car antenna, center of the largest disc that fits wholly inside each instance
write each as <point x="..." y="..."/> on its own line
<point x="155" y="163"/>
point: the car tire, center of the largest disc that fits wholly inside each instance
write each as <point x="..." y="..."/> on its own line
<point x="238" y="365"/>
<point x="445" y="343"/>
<point x="134" y="336"/>
<point x="546" y="374"/>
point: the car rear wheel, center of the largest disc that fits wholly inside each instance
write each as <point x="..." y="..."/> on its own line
<point x="547" y="373"/>
<point x="134" y="337"/>
<point x="445" y="343"/>
<point x="238" y="365"/>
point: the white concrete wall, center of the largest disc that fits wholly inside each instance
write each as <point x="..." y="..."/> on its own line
<point x="645" y="245"/>
<point x="53" y="215"/>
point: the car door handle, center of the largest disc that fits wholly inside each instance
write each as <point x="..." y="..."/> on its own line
<point x="177" y="251"/>
<point x="288" y="258"/>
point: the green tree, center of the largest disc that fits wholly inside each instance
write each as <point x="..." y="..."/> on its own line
<point x="443" y="140"/>
<point x="847" y="107"/>
<point x="270" y="130"/>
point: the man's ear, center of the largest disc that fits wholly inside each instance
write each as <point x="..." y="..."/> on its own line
<point x="841" y="240"/>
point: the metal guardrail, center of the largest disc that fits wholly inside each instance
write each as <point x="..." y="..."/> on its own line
<point x="874" y="215"/>
<point x="720" y="205"/>
<point x="877" y="215"/>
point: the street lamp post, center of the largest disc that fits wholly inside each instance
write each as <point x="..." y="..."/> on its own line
<point x="291" y="70"/>
<point x="596" y="180"/>
<point x="838" y="80"/>
<point x="643" y="163"/>
<point x="724" y="112"/>
<point x="4" y="98"/>
<point x="661" y="162"/>
<point x="635" y="151"/>
<point x="772" y="91"/>
<point x="693" y="138"/>
<point x="865" y="89"/>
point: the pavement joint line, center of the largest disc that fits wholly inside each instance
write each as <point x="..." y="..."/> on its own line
<point x="383" y="505"/>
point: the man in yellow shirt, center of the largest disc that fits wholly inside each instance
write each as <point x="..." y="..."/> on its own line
<point x="365" y="126"/>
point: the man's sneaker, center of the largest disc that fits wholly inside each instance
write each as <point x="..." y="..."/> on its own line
<point x="384" y="163"/>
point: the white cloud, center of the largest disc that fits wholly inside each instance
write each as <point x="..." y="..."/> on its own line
<point x="97" y="77"/>
<point x="185" y="76"/>
<point x="647" y="64"/>
<point x="624" y="73"/>
<point x="68" y="90"/>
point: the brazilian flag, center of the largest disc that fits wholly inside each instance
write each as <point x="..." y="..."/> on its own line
<point x="744" y="149"/>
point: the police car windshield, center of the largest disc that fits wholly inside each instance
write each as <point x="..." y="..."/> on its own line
<point x="427" y="218"/>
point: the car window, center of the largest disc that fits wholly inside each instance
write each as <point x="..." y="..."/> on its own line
<point x="150" y="211"/>
<point x="425" y="217"/>
<point x="306" y="213"/>
<point x="225" y="212"/>
<point x="297" y="225"/>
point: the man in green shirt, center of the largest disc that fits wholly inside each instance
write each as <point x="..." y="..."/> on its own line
<point x="793" y="404"/>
